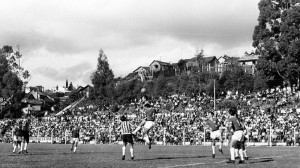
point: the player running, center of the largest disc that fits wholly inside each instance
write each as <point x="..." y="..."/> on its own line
<point x="75" y="137"/>
<point x="235" y="125"/>
<point x="126" y="136"/>
<point x="215" y="132"/>
<point x="148" y="123"/>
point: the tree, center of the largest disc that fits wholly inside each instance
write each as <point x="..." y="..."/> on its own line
<point x="260" y="82"/>
<point x="181" y="65"/>
<point x="200" y="59"/>
<point x="236" y="80"/>
<point x="276" y="38"/>
<point x="11" y="74"/>
<point x="70" y="87"/>
<point x="102" y="79"/>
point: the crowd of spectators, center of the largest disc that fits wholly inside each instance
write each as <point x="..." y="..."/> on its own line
<point x="179" y="119"/>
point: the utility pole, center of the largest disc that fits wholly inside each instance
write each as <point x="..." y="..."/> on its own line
<point x="214" y="95"/>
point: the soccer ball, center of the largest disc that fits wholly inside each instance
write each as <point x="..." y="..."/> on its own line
<point x="143" y="90"/>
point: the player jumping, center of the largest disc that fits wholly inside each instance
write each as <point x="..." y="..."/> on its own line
<point x="215" y="133"/>
<point x="234" y="123"/>
<point x="148" y="123"/>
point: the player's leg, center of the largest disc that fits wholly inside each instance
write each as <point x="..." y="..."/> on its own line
<point x="123" y="150"/>
<point x="236" y="153"/>
<point x="147" y="127"/>
<point x="15" y="144"/>
<point x="221" y="141"/>
<point x="244" y="149"/>
<point x="213" y="147"/>
<point x="140" y="126"/>
<point x="73" y="142"/>
<point x="75" y="145"/>
<point x="26" y="141"/>
<point x="233" y="146"/>
<point x="19" y="143"/>
<point x="131" y="151"/>
<point x="22" y="144"/>
<point x="239" y="147"/>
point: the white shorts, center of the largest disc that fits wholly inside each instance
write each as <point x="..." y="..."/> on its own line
<point x="216" y="134"/>
<point x="75" y="139"/>
<point x="237" y="135"/>
<point x="15" y="138"/>
<point x="149" y="124"/>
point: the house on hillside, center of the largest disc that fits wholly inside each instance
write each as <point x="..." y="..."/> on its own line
<point x="248" y="62"/>
<point x="176" y="68"/>
<point x="36" y="88"/>
<point x="226" y="62"/>
<point x="36" y="100"/>
<point x="209" y="64"/>
<point x="159" y="67"/>
<point x="143" y="73"/>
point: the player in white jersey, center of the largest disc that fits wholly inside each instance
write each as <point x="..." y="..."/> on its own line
<point x="16" y="142"/>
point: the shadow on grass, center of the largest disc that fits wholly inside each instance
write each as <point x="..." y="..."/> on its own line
<point x="260" y="160"/>
<point x="167" y="158"/>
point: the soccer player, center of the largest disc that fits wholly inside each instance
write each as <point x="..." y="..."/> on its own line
<point x="126" y="136"/>
<point x="243" y="141"/>
<point x="215" y="132"/>
<point x="25" y="129"/>
<point x="148" y="123"/>
<point x="16" y="143"/>
<point x="19" y="135"/>
<point x="235" y="125"/>
<point x="75" y="131"/>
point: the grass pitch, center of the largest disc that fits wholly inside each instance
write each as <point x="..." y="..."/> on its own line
<point x="57" y="155"/>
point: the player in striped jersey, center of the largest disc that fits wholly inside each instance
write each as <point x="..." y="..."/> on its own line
<point x="126" y="136"/>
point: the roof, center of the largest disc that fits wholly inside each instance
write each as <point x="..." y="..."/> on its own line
<point x="206" y="59"/>
<point x="36" y="102"/>
<point x="161" y="63"/>
<point x="147" y="68"/>
<point x="209" y="59"/>
<point x="248" y="58"/>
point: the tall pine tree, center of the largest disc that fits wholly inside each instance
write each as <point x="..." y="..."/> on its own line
<point x="102" y="79"/>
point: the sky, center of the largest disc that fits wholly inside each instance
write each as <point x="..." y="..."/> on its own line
<point x="60" y="39"/>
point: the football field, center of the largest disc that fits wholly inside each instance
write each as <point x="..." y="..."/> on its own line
<point x="57" y="155"/>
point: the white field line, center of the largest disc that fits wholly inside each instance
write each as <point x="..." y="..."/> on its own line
<point x="194" y="164"/>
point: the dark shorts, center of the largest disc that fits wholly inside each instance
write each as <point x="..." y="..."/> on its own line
<point x="26" y="136"/>
<point x="127" y="138"/>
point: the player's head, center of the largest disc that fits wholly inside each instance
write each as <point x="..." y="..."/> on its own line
<point x="233" y="111"/>
<point x="123" y="118"/>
